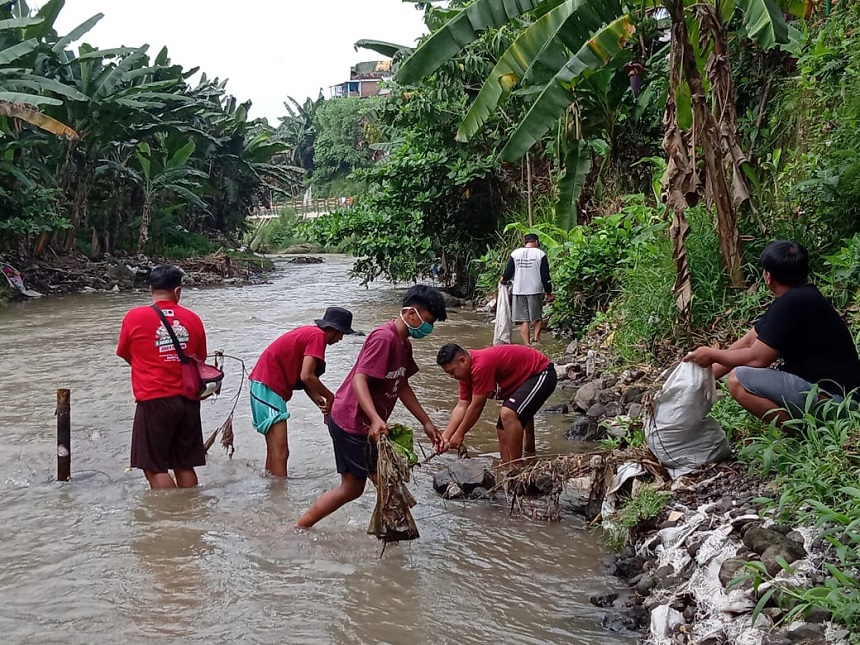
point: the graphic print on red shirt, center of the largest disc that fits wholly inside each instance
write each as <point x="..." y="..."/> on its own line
<point x="280" y="365"/>
<point x="499" y="370"/>
<point x="145" y="343"/>
<point x="387" y="360"/>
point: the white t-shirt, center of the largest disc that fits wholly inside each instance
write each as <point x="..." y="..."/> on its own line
<point x="527" y="261"/>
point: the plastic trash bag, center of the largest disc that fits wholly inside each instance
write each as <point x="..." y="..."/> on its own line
<point x="504" y="320"/>
<point x="403" y="441"/>
<point x="677" y="428"/>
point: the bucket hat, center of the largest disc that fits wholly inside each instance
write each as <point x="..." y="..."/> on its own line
<point x="337" y="318"/>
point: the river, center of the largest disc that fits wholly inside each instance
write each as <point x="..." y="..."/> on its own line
<point x="103" y="559"/>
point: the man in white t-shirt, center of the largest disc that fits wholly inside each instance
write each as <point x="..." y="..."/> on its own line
<point x="529" y="269"/>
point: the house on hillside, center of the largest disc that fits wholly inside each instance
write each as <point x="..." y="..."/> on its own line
<point x="364" y="80"/>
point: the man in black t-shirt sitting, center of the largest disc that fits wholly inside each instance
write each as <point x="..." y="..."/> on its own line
<point x="803" y="329"/>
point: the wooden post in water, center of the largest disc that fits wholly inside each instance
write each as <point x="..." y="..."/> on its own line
<point x="64" y="435"/>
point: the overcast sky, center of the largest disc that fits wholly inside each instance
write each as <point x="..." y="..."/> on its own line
<point x="269" y="49"/>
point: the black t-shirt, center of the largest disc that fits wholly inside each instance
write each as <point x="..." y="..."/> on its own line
<point x="811" y="338"/>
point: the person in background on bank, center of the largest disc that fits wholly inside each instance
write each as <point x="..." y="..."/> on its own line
<point x="167" y="433"/>
<point x="800" y="327"/>
<point x="528" y="267"/>
<point x="294" y="361"/>
<point x="365" y="400"/>
<point x="521" y="376"/>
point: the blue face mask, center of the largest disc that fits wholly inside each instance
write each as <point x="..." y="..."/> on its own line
<point x="423" y="330"/>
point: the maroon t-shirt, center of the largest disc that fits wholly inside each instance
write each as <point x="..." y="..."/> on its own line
<point x="499" y="370"/>
<point x="387" y="361"/>
<point x="280" y="365"/>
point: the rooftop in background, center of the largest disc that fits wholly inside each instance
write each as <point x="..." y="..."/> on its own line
<point x="364" y="79"/>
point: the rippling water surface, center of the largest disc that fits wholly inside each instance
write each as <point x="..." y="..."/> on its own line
<point x="103" y="559"/>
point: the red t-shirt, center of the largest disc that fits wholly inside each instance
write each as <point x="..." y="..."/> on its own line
<point x="280" y="365"/>
<point x="144" y="342"/>
<point x="499" y="370"/>
<point x="387" y="360"/>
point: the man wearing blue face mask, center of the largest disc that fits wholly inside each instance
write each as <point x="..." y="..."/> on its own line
<point x="365" y="400"/>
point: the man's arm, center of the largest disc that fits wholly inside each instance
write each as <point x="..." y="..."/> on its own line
<point x="508" y="274"/>
<point x="743" y="342"/>
<point x="123" y="347"/>
<point x="457" y="415"/>
<point x="408" y="398"/>
<point x="317" y="392"/>
<point x="544" y="277"/>
<point x="361" y="387"/>
<point x="724" y="360"/>
<point x="470" y="417"/>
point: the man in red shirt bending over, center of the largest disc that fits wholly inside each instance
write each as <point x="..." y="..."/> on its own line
<point x="521" y="376"/>
<point x="296" y="360"/>
<point x="167" y="433"/>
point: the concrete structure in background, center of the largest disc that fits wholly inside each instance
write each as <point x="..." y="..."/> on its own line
<point x="364" y="80"/>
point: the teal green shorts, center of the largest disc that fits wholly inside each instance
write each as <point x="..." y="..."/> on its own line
<point x="267" y="407"/>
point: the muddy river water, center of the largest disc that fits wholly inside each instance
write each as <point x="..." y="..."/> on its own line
<point x="102" y="559"/>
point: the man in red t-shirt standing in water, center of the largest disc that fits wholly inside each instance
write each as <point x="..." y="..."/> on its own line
<point x="167" y="433"/>
<point x="296" y="360"/>
<point x="521" y="376"/>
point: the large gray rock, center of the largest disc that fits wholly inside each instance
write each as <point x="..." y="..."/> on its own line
<point x="790" y="551"/>
<point x="121" y="275"/>
<point x="596" y="411"/>
<point x="586" y="396"/>
<point x="633" y="394"/>
<point x="607" y="396"/>
<point x="585" y="429"/>
<point x="451" y="301"/>
<point x="462" y="477"/>
<point x="758" y="538"/>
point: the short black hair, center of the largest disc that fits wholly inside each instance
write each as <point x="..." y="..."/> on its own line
<point x="165" y="277"/>
<point x="427" y="298"/>
<point x="787" y="262"/>
<point x="448" y="353"/>
<point x="531" y="237"/>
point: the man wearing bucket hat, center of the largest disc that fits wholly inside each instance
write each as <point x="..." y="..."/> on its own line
<point x="294" y="361"/>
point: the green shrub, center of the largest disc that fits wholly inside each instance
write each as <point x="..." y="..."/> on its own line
<point x="647" y="503"/>
<point x="180" y="244"/>
<point x="279" y="233"/>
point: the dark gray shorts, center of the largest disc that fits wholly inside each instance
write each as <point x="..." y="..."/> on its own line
<point x="355" y="454"/>
<point x="527" y="308"/>
<point x="785" y="389"/>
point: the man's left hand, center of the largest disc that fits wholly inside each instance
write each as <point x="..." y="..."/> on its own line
<point x="703" y="356"/>
<point x="435" y="437"/>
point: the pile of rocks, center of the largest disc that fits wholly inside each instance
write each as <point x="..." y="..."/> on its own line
<point x="598" y="397"/>
<point x="680" y="568"/>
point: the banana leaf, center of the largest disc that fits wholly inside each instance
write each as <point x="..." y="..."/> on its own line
<point x="556" y="97"/>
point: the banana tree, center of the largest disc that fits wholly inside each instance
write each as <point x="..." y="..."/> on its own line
<point x="567" y="40"/>
<point x="164" y="172"/>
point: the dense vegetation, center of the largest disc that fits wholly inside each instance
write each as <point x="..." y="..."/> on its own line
<point x="112" y="150"/>
<point x="655" y="153"/>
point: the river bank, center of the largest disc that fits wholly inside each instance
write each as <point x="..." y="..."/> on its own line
<point x="743" y="552"/>
<point x="55" y="274"/>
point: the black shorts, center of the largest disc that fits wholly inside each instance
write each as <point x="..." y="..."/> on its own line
<point x="527" y="399"/>
<point x="355" y="454"/>
<point x="167" y="434"/>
